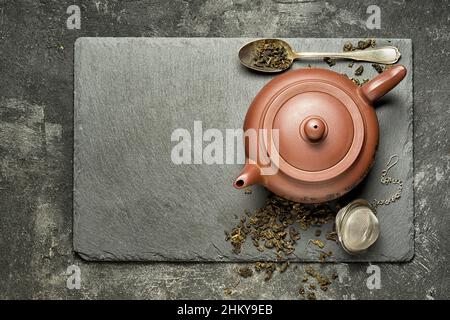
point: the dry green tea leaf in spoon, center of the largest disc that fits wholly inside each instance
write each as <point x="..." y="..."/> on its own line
<point x="271" y="55"/>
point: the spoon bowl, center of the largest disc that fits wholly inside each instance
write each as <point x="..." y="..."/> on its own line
<point x="248" y="54"/>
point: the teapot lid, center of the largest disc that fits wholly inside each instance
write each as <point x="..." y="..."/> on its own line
<point x="320" y="127"/>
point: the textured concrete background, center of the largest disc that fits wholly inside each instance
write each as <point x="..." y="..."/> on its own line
<point x="36" y="138"/>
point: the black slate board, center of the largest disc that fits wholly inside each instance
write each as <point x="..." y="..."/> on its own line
<point x="132" y="203"/>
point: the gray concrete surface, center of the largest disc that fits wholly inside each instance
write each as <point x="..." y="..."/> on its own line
<point x="36" y="141"/>
<point x="132" y="203"/>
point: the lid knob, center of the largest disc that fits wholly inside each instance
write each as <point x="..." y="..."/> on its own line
<point x="314" y="129"/>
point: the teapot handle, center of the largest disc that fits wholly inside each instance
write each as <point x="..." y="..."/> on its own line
<point x="383" y="83"/>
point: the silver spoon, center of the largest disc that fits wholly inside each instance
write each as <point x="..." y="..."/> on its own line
<point x="248" y="55"/>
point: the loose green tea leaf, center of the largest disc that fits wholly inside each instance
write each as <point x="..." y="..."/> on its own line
<point x="332" y="235"/>
<point x="359" y="71"/>
<point x="311" y="296"/>
<point x="294" y="234"/>
<point x="378" y="67"/>
<point x="245" y="272"/>
<point x="310" y="271"/>
<point x="269" y="244"/>
<point x="267" y="267"/>
<point x="318" y="243"/>
<point x="348" y="46"/>
<point x="283" y="267"/>
<point x="329" y="61"/>
<point x="364" y="44"/>
<point x="227" y="291"/>
<point x="324" y="255"/>
<point x="237" y="237"/>
<point x="323" y="281"/>
<point x="301" y="291"/>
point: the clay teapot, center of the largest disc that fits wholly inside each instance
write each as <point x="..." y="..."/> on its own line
<point x="325" y="137"/>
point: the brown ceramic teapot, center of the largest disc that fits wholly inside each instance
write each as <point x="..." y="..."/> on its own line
<point x="326" y="133"/>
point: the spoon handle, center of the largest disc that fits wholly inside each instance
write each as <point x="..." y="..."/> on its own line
<point x="385" y="55"/>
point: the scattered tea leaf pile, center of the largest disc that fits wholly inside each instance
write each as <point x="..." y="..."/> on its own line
<point x="361" y="45"/>
<point x="276" y="226"/>
<point x="317" y="279"/>
<point x="271" y="55"/>
<point x="310" y="283"/>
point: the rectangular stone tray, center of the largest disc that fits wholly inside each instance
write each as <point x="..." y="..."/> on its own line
<point x="132" y="203"/>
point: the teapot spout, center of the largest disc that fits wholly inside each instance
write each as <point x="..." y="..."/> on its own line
<point x="248" y="176"/>
<point x="383" y="83"/>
